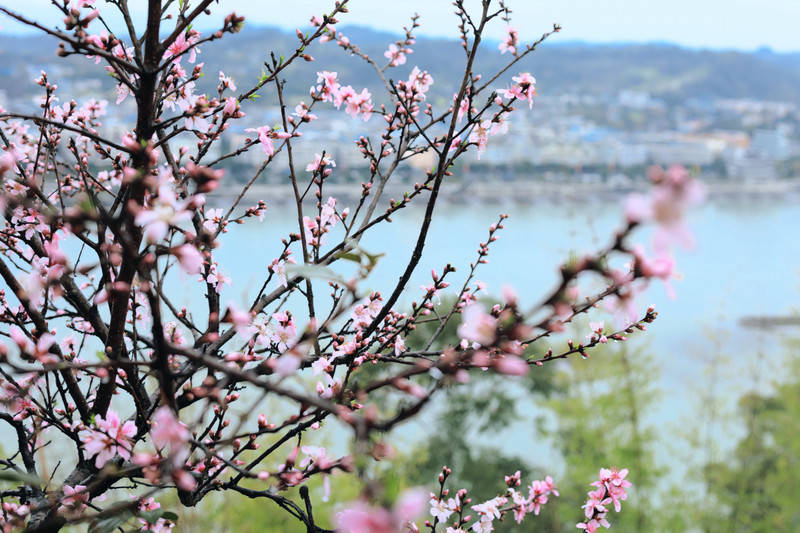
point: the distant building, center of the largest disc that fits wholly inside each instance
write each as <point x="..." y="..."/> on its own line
<point x="719" y="141"/>
<point x="631" y="155"/>
<point x="687" y="153"/>
<point x="750" y="166"/>
<point x="638" y="100"/>
<point x="773" y="144"/>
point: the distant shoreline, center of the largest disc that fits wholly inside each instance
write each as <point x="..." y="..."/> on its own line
<point x="520" y="192"/>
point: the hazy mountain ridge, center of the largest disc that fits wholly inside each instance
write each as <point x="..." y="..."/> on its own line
<point x="669" y="72"/>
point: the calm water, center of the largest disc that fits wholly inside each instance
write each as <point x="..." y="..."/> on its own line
<point x="746" y="263"/>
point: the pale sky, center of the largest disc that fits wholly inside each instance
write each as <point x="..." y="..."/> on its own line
<point x="735" y="24"/>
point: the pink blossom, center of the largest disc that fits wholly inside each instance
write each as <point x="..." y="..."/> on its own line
<point x="301" y="112"/>
<point x="365" y="312"/>
<point x="360" y="517"/>
<point x="15" y="397"/>
<point x="525" y="88"/>
<point x="597" y="328"/>
<point x="611" y="487"/>
<point x="212" y="219"/>
<point x="217" y="279"/>
<point x="637" y="208"/>
<point x="328" y="34"/>
<point x="278" y="267"/>
<point x="591" y="526"/>
<point x="488" y="511"/>
<point x="673" y="193"/>
<point x="440" y="509"/>
<point x="538" y="493"/>
<point x="511" y="365"/>
<point x="395" y="55"/>
<point x="180" y="45"/>
<point x="316" y="455"/>
<point x="509" y="43"/>
<point x="662" y="266"/>
<point x="321" y="365"/>
<point x="264" y="137"/>
<point x="240" y="319"/>
<point x="480" y="133"/>
<point x="342" y="95"/>
<point x="164" y="211"/>
<point x="283" y="333"/>
<point x="74" y="500"/>
<point x="419" y="80"/>
<point x="7" y="162"/>
<point x="360" y="104"/>
<point x="189" y="257"/>
<point x="316" y="228"/>
<point x="231" y="106"/>
<point x="478" y="326"/>
<point x="320" y="162"/>
<point x="464" y="105"/>
<point x="329" y="89"/>
<point x="167" y="431"/>
<point x="399" y="346"/>
<point x="19" y="338"/>
<point x="409" y="505"/>
<point x="286" y="364"/>
<point x="226" y="82"/>
<point x="328" y="216"/>
<point x="109" y="439"/>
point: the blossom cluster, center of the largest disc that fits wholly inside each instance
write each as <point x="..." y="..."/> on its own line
<point x="357" y="104"/>
<point x="453" y="511"/>
<point x="611" y="489"/>
<point x="101" y="232"/>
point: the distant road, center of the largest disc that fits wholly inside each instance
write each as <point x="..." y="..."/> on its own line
<point x="521" y="192"/>
<point x="769" y="322"/>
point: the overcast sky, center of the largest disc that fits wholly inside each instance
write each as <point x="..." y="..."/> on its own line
<point x="737" y="24"/>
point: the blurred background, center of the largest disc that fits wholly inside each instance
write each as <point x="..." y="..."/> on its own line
<point x="704" y="408"/>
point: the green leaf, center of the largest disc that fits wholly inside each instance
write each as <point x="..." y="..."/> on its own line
<point x="313" y="271"/>
<point x="349" y="256"/>
<point x="151" y="516"/>
<point x="373" y="258"/>
<point x="107" y="524"/>
<point x="21" y="477"/>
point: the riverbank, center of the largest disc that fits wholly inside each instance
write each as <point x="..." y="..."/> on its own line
<point x="520" y="192"/>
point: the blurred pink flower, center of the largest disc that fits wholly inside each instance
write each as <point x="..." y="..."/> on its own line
<point x="109" y="439"/>
<point x="477" y="325"/>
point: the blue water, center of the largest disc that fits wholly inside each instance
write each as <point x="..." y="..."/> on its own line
<point x="746" y="262"/>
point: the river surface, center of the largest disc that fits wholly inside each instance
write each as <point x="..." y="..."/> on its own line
<point x="746" y="263"/>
